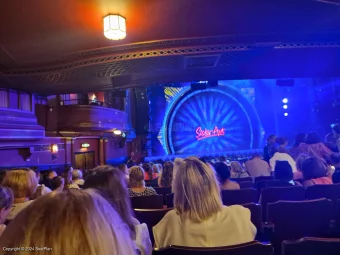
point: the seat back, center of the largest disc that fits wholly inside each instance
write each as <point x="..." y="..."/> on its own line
<point x="255" y="214"/>
<point x="298" y="219"/>
<point x="329" y="191"/>
<point x="271" y="183"/>
<point x="274" y="194"/>
<point x="244" y="179"/>
<point x="239" y="196"/>
<point x="163" y="192"/>
<point x="263" y="178"/>
<point x="312" y="246"/>
<point x="337" y="219"/>
<point x="147" y="202"/>
<point x="241" y="249"/>
<point x="246" y="185"/>
<point x="150" y="217"/>
<point x="170" y="200"/>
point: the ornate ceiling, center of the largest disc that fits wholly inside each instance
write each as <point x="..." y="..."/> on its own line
<point x="59" y="47"/>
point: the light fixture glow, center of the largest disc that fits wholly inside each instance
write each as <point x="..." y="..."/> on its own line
<point x="117" y="132"/>
<point x="285" y="100"/>
<point x="54" y="148"/>
<point x="285" y="114"/>
<point x="114" y="27"/>
<point x="285" y="106"/>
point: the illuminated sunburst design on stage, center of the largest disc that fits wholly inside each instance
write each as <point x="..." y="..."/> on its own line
<point x="205" y="121"/>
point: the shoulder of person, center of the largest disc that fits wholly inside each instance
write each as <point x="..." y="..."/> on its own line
<point x="308" y="183"/>
<point x="238" y="209"/>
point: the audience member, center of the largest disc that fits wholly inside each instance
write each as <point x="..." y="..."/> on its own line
<point x="6" y="202"/>
<point x="336" y="132"/>
<point x="124" y="168"/>
<point x="257" y="167"/>
<point x="67" y="175"/>
<point x="41" y="189"/>
<point x="177" y="163"/>
<point x="86" y="224"/>
<point x="317" y="147"/>
<point x="23" y="184"/>
<point x="155" y="171"/>
<point x="282" y="155"/>
<point x="237" y="171"/>
<point x="77" y="177"/>
<point x="270" y="148"/>
<point x="300" y="146"/>
<point x="223" y="175"/>
<point x="58" y="183"/>
<point x="298" y="175"/>
<point x="331" y="142"/>
<point x="2" y="175"/>
<point x="160" y="168"/>
<point x="112" y="184"/>
<point x="199" y="218"/>
<point x="335" y="159"/>
<point x="283" y="172"/>
<point x="315" y="172"/>
<point x="148" y="173"/>
<point x="166" y="177"/>
<point x="137" y="185"/>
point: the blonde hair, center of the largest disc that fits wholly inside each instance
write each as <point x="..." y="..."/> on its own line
<point x="155" y="168"/>
<point x="236" y="167"/>
<point x="22" y="182"/>
<point x="87" y="225"/>
<point x="197" y="193"/>
<point x="77" y="174"/>
<point x="136" y="177"/>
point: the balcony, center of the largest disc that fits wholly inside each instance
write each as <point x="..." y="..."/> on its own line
<point x="80" y="115"/>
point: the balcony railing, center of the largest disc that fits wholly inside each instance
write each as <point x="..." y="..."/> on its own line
<point x="92" y="102"/>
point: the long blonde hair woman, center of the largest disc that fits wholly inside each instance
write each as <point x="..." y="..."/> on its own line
<point x="86" y="224"/>
<point x="199" y="218"/>
<point x="23" y="184"/>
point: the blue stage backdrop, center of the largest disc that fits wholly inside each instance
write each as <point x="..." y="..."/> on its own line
<point x="233" y="116"/>
<point x="213" y="120"/>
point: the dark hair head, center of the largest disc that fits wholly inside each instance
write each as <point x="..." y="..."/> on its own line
<point x="299" y="161"/>
<point x="112" y="184"/>
<point x="300" y="138"/>
<point x="313" y="168"/>
<point x="271" y="137"/>
<point x="313" y="138"/>
<point x="335" y="158"/>
<point x="283" y="171"/>
<point x="167" y="174"/>
<point x="147" y="167"/>
<point x="122" y="167"/>
<point x="222" y="158"/>
<point x="281" y="140"/>
<point x="256" y="155"/>
<point x="222" y="171"/>
<point x="56" y="182"/>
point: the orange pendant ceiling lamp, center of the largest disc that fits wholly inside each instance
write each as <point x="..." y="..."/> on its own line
<point x="114" y="27"/>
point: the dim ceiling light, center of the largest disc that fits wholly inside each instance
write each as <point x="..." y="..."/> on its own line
<point x="285" y="100"/>
<point x="114" y="27"/>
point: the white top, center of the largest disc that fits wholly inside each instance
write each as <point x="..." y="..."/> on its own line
<point x="230" y="226"/>
<point x="278" y="156"/>
<point x="44" y="190"/>
<point x="16" y="208"/>
<point x="142" y="241"/>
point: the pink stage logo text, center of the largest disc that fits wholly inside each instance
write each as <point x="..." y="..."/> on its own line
<point x="206" y="133"/>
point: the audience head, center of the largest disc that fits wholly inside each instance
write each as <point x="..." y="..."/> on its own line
<point x="335" y="159"/>
<point x="147" y="167"/>
<point x="313" y="138"/>
<point x="236" y="167"/>
<point x="155" y="169"/>
<point x="87" y="225"/>
<point x="300" y="138"/>
<point x="123" y="167"/>
<point x="22" y="182"/>
<point x="57" y="183"/>
<point x="167" y="174"/>
<point x="222" y="159"/>
<point x="112" y="185"/>
<point x="160" y="168"/>
<point x="283" y="171"/>
<point x="196" y="190"/>
<point x="222" y="172"/>
<point x="271" y="139"/>
<point x="313" y="168"/>
<point x="77" y="174"/>
<point x="67" y="175"/>
<point x="282" y="142"/>
<point x="6" y="201"/>
<point x="51" y="174"/>
<point x="256" y="155"/>
<point x="299" y="161"/>
<point x="136" y="177"/>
